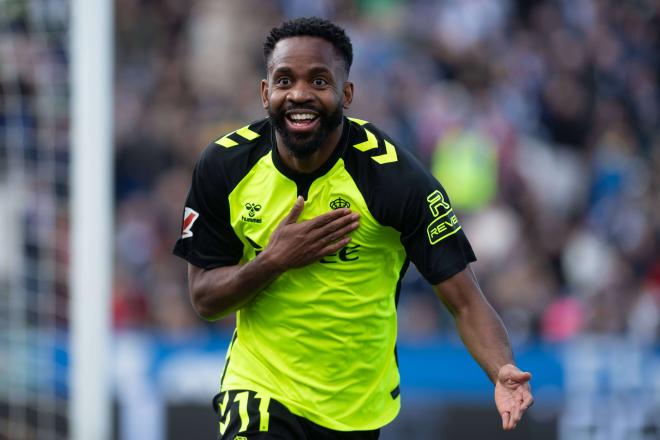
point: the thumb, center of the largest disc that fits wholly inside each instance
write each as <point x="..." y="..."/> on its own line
<point x="295" y="212"/>
<point x="511" y="372"/>
<point x="521" y="376"/>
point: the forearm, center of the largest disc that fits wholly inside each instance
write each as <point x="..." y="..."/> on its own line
<point x="478" y="324"/>
<point x="485" y="336"/>
<point x="218" y="292"/>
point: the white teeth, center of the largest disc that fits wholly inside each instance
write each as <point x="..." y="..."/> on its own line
<point x="301" y="116"/>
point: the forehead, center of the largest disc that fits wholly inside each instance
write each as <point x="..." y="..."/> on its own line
<point x="308" y="51"/>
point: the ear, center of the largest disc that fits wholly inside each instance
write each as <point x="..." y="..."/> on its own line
<point x="264" y="94"/>
<point x="348" y="94"/>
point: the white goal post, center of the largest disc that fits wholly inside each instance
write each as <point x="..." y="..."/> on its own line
<point x="91" y="73"/>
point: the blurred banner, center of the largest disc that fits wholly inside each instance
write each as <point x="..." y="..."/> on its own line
<point x="583" y="389"/>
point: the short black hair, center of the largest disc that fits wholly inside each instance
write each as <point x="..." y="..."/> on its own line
<point x="311" y="27"/>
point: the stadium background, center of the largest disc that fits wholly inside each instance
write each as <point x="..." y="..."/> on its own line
<point x="542" y="120"/>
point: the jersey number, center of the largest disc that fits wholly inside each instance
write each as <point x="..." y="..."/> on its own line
<point x="241" y="400"/>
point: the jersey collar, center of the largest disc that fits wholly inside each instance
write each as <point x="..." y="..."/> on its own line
<point x="323" y="169"/>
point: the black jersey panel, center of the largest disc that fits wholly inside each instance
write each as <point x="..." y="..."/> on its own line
<point x="208" y="239"/>
<point x="402" y="194"/>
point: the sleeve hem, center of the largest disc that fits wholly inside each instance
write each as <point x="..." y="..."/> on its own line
<point x="444" y="274"/>
<point x="203" y="263"/>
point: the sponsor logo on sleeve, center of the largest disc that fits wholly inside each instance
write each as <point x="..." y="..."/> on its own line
<point x="189" y="218"/>
<point x="445" y="222"/>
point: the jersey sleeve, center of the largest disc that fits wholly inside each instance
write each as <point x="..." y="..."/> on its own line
<point x="207" y="238"/>
<point x="402" y="194"/>
<point x="430" y="231"/>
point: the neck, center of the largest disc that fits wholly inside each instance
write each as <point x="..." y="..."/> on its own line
<point x="314" y="161"/>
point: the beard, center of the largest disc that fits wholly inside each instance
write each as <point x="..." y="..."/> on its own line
<point x="302" y="145"/>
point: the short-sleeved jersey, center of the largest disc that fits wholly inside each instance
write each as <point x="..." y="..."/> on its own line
<point x="321" y="339"/>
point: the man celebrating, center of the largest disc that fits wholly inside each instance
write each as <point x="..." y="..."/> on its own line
<point x="304" y="224"/>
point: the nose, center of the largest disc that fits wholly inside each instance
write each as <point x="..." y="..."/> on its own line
<point x="300" y="93"/>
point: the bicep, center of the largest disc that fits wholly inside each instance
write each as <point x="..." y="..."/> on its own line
<point x="459" y="291"/>
<point x="200" y="278"/>
<point x="194" y="274"/>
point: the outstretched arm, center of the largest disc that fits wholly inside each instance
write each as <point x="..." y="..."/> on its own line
<point x="484" y="335"/>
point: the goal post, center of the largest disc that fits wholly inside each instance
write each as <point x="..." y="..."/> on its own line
<point x="91" y="73"/>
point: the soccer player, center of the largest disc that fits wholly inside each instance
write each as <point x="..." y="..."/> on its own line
<point x="303" y="224"/>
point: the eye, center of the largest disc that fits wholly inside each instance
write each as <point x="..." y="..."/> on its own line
<point x="319" y="82"/>
<point x="283" y="81"/>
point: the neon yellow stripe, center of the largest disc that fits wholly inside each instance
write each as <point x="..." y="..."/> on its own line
<point x="226" y="417"/>
<point x="223" y="404"/>
<point x="247" y="133"/>
<point x="389" y="156"/>
<point x="242" y="399"/>
<point x="226" y="142"/>
<point x="369" y="144"/>
<point x="359" y="121"/>
<point x="264" y="417"/>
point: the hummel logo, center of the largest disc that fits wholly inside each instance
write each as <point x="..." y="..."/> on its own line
<point x="339" y="203"/>
<point x="252" y="208"/>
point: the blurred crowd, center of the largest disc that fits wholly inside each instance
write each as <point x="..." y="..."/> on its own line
<point x="541" y="119"/>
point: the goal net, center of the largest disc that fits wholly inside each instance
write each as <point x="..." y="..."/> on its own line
<point x="34" y="201"/>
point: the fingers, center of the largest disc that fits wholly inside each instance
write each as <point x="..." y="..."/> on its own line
<point x="334" y="247"/>
<point x="516" y="415"/>
<point x="511" y="418"/>
<point x="327" y="218"/>
<point x="295" y="212"/>
<point x="528" y="401"/>
<point x="331" y="230"/>
<point x="332" y="236"/>
<point x="336" y="228"/>
<point x="506" y="420"/>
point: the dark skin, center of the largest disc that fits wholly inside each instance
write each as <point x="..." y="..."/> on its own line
<point x="306" y="72"/>
<point x="484" y="335"/>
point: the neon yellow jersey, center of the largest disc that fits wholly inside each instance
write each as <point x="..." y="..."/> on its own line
<point x="321" y="339"/>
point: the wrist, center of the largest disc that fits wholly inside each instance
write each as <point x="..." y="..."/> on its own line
<point x="269" y="264"/>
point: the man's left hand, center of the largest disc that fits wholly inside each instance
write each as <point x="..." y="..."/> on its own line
<point x="512" y="395"/>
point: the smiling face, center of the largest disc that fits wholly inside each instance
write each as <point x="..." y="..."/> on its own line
<point x="305" y="94"/>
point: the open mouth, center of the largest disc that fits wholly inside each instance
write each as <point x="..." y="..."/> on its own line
<point x="301" y="120"/>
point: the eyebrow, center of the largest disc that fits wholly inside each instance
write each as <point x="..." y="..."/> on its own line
<point x="314" y="70"/>
<point x="282" y="70"/>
